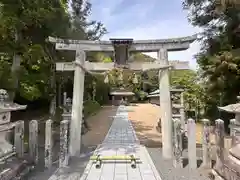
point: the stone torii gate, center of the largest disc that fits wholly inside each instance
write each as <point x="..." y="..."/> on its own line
<point x="121" y="47"/>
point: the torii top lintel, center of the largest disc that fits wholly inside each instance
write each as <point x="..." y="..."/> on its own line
<point x="172" y="44"/>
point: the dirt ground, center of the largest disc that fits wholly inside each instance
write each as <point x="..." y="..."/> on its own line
<point x="99" y="125"/>
<point x="144" y="118"/>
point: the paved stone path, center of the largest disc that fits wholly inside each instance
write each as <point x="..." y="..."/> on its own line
<point x="120" y="140"/>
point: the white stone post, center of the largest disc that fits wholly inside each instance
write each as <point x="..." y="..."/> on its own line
<point x="182" y="112"/>
<point x="192" y="149"/>
<point x="219" y="144"/>
<point x="232" y="125"/>
<point x="64" y="156"/>
<point x="19" y="138"/>
<point x="206" y="144"/>
<point x="177" y="147"/>
<point x="77" y="104"/>
<point x="48" y="143"/>
<point x="165" y="105"/>
<point x="33" y="140"/>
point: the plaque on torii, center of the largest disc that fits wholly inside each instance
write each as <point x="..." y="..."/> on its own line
<point x="121" y="48"/>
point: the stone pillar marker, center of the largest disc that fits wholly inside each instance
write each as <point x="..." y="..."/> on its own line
<point x="182" y="112"/>
<point x="206" y="144"/>
<point x="165" y="104"/>
<point x="177" y="144"/>
<point x="48" y="143"/>
<point x="33" y="140"/>
<point x="64" y="156"/>
<point x="192" y="150"/>
<point x="232" y="125"/>
<point x="219" y="144"/>
<point x="19" y="138"/>
<point x="77" y="106"/>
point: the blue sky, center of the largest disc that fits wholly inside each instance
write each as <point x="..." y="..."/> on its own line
<point x="146" y="19"/>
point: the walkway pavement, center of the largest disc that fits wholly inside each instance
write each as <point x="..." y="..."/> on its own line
<point x="120" y="140"/>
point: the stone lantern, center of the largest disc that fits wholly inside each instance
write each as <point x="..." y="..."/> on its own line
<point x="234" y="108"/>
<point x="5" y="116"/>
<point x="68" y="105"/>
<point x="67" y="109"/>
<point x="233" y="159"/>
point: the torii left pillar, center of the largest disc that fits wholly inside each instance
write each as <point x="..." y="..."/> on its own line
<point x="77" y="106"/>
<point x="165" y="105"/>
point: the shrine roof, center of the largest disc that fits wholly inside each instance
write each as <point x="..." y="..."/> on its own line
<point x="12" y="107"/>
<point x="232" y="108"/>
<point x="121" y="91"/>
<point x="156" y="92"/>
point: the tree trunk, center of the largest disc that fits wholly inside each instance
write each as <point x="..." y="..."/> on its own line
<point x="53" y="106"/>
<point x="14" y="70"/>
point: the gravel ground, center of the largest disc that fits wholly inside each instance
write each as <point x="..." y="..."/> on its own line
<point x="168" y="172"/>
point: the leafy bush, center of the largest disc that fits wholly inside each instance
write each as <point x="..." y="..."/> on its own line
<point x="90" y="107"/>
<point x="141" y="95"/>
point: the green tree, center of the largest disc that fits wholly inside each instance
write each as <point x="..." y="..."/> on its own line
<point x="92" y="30"/>
<point x="24" y="26"/>
<point x="218" y="63"/>
<point x="194" y="95"/>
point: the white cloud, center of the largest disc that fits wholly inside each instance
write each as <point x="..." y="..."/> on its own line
<point x="151" y="26"/>
<point x="103" y="12"/>
<point x="111" y="12"/>
<point x="165" y="29"/>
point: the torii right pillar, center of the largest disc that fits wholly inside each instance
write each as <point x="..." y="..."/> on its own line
<point x="165" y="105"/>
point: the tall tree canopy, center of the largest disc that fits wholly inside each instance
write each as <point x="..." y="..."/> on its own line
<point x="218" y="61"/>
<point x="24" y="27"/>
